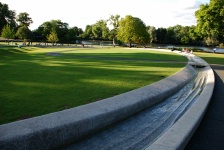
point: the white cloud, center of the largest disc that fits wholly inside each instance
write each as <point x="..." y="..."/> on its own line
<point x="183" y="12"/>
<point x="189" y="4"/>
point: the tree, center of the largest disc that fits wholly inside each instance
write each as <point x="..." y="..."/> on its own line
<point x="152" y="32"/>
<point x="114" y="21"/>
<point x="52" y="37"/>
<point x="24" y="19"/>
<point x="210" y="21"/>
<point x="100" y="30"/>
<point x="170" y="36"/>
<point x="24" y="33"/>
<point x="132" y="30"/>
<point x="61" y="28"/>
<point x="88" y="34"/>
<point x="7" y="17"/>
<point x="7" y="33"/>
<point x="37" y="35"/>
<point x="185" y="36"/>
<point x="177" y="33"/>
<point x="73" y="34"/>
<point x="161" y="35"/>
<point x="195" y="38"/>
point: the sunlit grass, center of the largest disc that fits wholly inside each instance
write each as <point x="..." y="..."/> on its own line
<point x="35" y="82"/>
<point x="211" y="58"/>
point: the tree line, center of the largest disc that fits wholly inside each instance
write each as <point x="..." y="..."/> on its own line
<point x="208" y="31"/>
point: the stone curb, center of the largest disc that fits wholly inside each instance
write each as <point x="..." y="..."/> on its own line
<point x="177" y="137"/>
<point x="57" y="129"/>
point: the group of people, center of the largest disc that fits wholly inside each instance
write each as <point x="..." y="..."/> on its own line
<point x="187" y="50"/>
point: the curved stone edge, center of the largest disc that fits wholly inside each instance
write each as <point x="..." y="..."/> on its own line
<point x="177" y="137"/>
<point x="57" y="129"/>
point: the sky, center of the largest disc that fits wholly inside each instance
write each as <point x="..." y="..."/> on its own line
<point x="157" y="13"/>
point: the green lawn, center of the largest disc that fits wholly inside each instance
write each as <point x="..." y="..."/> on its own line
<point x="37" y="81"/>
<point x="211" y="58"/>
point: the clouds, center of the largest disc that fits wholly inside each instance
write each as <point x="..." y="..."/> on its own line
<point x="189" y="4"/>
<point x="195" y="5"/>
<point x="159" y="13"/>
<point x="183" y="12"/>
<point x="169" y="13"/>
<point x="187" y="7"/>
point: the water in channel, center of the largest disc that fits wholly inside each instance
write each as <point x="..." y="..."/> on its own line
<point x="142" y="129"/>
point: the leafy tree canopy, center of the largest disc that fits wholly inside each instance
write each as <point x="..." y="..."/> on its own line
<point x="52" y="37"/>
<point x="152" y="32"/>
<point x="7" y="16"/>
<point x="23" y="32"/>
<point x="132" y="30"/>
<point x="61" y="28"/>
<point x="210" y="20"/>
<point x="114" y="21"/>
<point x="7" y="32"/>
<point x="100" y="30"/>
<point x="24" y="19"/>
<point x="88" y="34"/>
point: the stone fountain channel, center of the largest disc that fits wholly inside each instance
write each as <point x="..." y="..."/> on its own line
<point x="141" y="130"/>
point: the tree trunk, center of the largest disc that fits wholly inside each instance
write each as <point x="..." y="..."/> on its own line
<point x="130" y="45"/>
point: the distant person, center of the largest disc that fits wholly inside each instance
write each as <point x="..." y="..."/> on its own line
<point x="183" y="50"/>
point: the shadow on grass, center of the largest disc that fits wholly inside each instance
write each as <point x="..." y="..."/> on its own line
<point x="37" y="84"/>
<point x="6" y="51"/>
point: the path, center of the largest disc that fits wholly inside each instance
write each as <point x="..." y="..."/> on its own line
<point x="210" y="133"/>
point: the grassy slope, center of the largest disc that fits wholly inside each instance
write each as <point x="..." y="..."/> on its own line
<point x="33" y="82"/>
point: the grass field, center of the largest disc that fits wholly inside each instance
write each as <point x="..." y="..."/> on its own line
<point x="37" y="81"/>
<point x="212" y="58"/>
